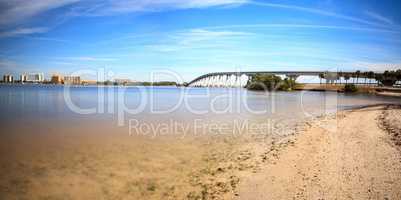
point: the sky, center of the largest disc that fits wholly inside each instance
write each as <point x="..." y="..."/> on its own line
<point x="133" y="38"/>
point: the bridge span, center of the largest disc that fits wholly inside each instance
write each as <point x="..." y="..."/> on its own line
<point x="240" y="79"/>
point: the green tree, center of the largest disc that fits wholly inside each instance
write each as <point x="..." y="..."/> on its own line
<point x="321" y="76"/>
<point x="365" y="76"/>
<point x="346" y="77"/>
<point x="388" y="78"/>
<point x="371" y="75"/>
<point x="351" y="88"/>
<point x="357" y="75"/>
<point x="379" y="78"/>
<point x="270" y="82"/>
<point x="339" y="75"/>
<point x="398" y="75"/>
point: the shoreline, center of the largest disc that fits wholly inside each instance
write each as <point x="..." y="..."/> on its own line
<point x="363" y="89"/>
<point x="348" y="156"/>
<point x="215" y="167"/>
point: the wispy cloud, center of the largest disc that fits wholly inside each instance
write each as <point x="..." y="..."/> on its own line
<point x="303" y="26"/>
<point x="88" y="58"/>
<point x="197" y="39"/>
<point x="316" y="11"/>
<point x="194" y="35"/>
<point x="379" y="17"/>
<point x="49" y="39"/>
<point x="135" y="6"/>
<point x="16" y="11"/>
<point x="23" y="31"/>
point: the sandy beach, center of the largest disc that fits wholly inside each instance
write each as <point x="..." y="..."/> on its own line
<point x="350" y="156"/>
<point x="353" y="155"/>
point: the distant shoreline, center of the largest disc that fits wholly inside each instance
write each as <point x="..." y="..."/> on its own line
<point x="374" y="90"/>
<point x="362" y="89"/>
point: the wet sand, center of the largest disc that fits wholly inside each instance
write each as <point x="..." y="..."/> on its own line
<point x="351" y="155"/>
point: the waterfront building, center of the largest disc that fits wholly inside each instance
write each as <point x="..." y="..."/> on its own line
<point x="35" y="77"/>
<point x="8" y="78"/>
<point x="72" y="80"/>
<point x="56" y="79"/>
<point x="23" y="78"/>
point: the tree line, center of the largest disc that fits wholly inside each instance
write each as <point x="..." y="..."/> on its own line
<point x="388" y="78"/>
<point x="269" y="82"/>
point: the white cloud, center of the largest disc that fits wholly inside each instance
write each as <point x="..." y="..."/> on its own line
<point x="304" y="26"/>
<point x="209" y="3"/>
<point x="379" y="17"/>
<point x="204" y="34"/>
<point x="316" y="11"/>
<point x="15" y="11"/>
<point x="23" y="31"/>
<point x="197" y="39"/>
<point x="88" y="58"/>
<point x="128" y="6"/>
<point x="50" y="39"/>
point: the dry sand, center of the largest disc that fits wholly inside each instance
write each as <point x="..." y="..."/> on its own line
<point x="351" y="156"/>
<point x="347" y="157"/>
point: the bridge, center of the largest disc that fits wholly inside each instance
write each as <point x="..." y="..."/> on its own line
<point x="240" y="79"/>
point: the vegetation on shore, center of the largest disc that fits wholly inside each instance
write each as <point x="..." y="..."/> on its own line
<point x="388" y="78"/>
<point x="161" y="83"/>
<point x="269" y="82"/>
<point x="350" y="88"/>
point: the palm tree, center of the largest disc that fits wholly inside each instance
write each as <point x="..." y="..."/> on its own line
<point x="371" y="75"/>
<point x="398" y="75"/>
<point x="321" y="76"/>
<point x="379" y="78"/>
<point x="357" y="74"/>
<point x="389" y="78"/>
<point x="346" y="77"/>
<point x="340" y="75"/>
<point x="352" y="75"/>
<point x="365" y="75"/>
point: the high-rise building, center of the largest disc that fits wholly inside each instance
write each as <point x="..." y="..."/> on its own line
<point x="72" y="80"/>
<point x="8" y="78"/>
<point x="56" y="79"/>
<point x="23" y="78"/>
<point x="35" y="77"/>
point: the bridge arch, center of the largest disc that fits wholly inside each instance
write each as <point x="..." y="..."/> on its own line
<point x="240" y="79"/>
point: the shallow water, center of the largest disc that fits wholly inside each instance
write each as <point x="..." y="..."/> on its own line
<point x="50" y="151"/>
<point x="185" y="107"/>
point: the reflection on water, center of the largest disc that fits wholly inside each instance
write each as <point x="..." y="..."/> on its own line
<point x="47" y="150"/>
<point x="164" y="104"/>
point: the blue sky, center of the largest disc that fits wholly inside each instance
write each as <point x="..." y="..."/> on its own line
<point x="132" y="38"/>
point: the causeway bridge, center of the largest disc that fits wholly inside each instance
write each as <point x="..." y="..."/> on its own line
<point x="240" y="79"/>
